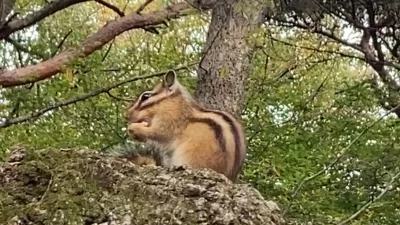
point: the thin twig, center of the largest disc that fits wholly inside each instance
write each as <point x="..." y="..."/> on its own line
<point x="368" y="204"/>
<point x="143" y="6"/>
<point x="126" y="5"/>
<point x="319" y="89"/>
<point x="61" y="43"/>
<point x="35" y="115"/>
<point x="341" y="154"/>
<point x="118" y="98"/>
<point x="111" y="70"/>
<point x="47" y="189"/>
<point x="22" y="48"/>
<point x="98" y="115"/>
<point x="317" y="49"/>
<point x="108" y="50"/>
<point x="332" y="36"/>
<point x="14" y="110"/>
<point x="112" y="7"/>
<point x="140" y="9"/>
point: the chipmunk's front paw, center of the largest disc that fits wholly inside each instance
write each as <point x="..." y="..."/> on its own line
<point x="138" y="131"/>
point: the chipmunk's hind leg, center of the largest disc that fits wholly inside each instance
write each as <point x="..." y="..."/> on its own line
<point x="203" y="150"/>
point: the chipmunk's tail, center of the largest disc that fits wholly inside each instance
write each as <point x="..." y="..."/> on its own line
<point x="137" y="153"/>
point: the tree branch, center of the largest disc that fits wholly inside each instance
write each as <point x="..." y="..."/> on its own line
<point x="19" y="24"/>
<point x="34" y="115"/>
<point x="347" y="55"/>
<point x="324" y="32"/>
<point x="376" y="64"/>
<point x="94" y="42"/>
<point x="340" y="53"/>
<point x="332" y="36"/>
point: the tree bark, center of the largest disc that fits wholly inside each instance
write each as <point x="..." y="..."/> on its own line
<point x="5" y="8"/>
<point x="225" y="65"/>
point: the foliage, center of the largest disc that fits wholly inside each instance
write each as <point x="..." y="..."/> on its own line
<point x="307" y="112"/>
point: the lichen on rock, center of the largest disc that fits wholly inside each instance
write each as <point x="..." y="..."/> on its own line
<point x="72" y="186"/>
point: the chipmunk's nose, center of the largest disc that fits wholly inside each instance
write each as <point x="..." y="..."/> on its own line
<point x="129" y="129"/>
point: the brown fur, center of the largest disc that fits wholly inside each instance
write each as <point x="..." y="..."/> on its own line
<point x="171" y="120"/>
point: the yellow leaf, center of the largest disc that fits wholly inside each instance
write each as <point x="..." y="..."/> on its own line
<point x="69" y="75"/>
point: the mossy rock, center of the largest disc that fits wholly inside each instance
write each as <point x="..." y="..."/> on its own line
<point x="72" y="186"/>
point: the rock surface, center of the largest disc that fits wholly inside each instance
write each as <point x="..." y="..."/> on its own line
<point x="73" y="186"/>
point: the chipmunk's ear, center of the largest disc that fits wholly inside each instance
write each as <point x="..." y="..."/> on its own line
<point x="170" y="79"/>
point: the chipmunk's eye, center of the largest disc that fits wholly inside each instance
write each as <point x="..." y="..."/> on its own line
<point x="145" y="96"/>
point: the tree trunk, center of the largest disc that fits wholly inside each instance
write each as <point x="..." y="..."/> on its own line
<point x="225" y="65"/>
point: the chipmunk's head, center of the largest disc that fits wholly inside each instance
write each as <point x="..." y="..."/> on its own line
<point x="162" y="107"/>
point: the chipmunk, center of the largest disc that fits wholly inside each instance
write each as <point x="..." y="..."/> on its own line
<point x="168" y="118"/>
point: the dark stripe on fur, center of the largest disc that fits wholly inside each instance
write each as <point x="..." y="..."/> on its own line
<point x="215" y="127"/>
<point x="236" y="167"/>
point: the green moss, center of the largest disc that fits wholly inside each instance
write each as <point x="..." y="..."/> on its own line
<point x="55" y="187"/>
<point x="84" y="187"/>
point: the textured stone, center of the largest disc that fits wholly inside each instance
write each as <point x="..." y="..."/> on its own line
<point x="84" y="187"/>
